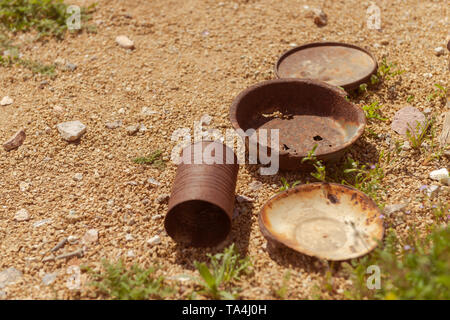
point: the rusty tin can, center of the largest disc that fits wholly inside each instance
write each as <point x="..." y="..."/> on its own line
<point x="203" y="195"/>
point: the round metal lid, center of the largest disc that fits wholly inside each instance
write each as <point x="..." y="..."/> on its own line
<point x="338" y="64"/>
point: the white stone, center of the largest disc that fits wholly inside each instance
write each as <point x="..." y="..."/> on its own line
<point x="432" y="191"/>
<point x="78" y="176"/>
<point x="439" y="175"/>
<point x="41" y="222"/>
<point x="72" y="239"/>
<point x="71" y="130"/>
<point x="124" y="42"/>
<point x="22" y="215"/>
<point x="49" y="278"/>
<point x="129" y="237"/>
<point x="242" y="198"/>
<point x="90" y="236"/>
<point x="9" y="276"/>
<point x="154" y="240"/>
<point x="130" y="254"/>
<point x="6" y="101"/>
<point x="389" y="209"/>
<point x="24" y="186"/>
<point x="153" y="182"/>
<point x="439" y="51"/>
<point x="147" y="111"/>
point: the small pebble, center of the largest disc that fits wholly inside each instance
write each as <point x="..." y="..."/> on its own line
<point x="15" y="141"/>
<point x="154" y="240"/>
<point x="9" y="276"/>
<point x="49" y="278"/>
<point x="91" y="236"/>
<point x="22" y="215"/>
<point x="124" y="42"/>
<point x="71" y="130"/>
<point x="439" y="51"/>
<point x="6" y="101"/>
<point x="163" y="198"/>
<point x="114" y="124"/>
<point x="78" y="176"/>
<point x="132" y="130"/>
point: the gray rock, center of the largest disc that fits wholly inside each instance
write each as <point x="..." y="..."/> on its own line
<point x="71" y="66"/>
<point x="9" y="276"/>
<point x="407" y="118"/>
<point x="392" y="208"/>
<point x="41" y="222"/>
<point x="91" y="236"/>
<point x="255" y="185"/>
<point x="114" y="124"/>
<point x="15" y="141"/>
<point x="163" y="198"/>
<point x="132" y="130"/>
<point x="71" y="130"/>
<point x="432" y="191"/>
<point x="49" y="278"/>
<point x="153" y="182"/>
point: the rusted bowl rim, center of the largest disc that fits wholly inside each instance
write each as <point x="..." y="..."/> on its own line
<point x="337" y="90"/>
<point x="348" y="86"/>
<point x="270" y="236"/>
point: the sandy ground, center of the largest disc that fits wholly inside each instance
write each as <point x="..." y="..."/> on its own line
<point x="191" y="58"/>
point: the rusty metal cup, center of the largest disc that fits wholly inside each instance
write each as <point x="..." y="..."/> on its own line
<point x="203" y="195"/>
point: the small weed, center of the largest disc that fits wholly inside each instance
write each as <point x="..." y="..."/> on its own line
<point x="411" y="269"/>
<point x="417" y="136"/>
<point x="364" y="178"/>
<point x="48" y="17"/>
<point x="440" y="211"/>
<point x="320" y="173"/>
<point x="226" y="268"/>
<point x="282" y="291"/>
<point x="410" y="98"/>
<point x="388" y="70"/>
<point x="372" y="111"/>
<point x="153" y="159"/>
<point x="439" y="92"/>
<point x="120" y="283"/>
<point x="286" y="185"/>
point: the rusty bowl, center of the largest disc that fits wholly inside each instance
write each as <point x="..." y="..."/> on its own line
<point x="324" y="220"/>
<point x="306" y="113"/>
<point x="203" y="195"/>
<point x="336" y="63"/>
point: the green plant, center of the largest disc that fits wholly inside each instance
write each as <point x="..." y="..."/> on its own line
<point x="282" y="291"/>
<point x="387" y="70"/>
<point x="120" y="283"/>
<point x="153" y="159"/>
<point x="372" y="111"/>
<point x="440" y="211"/>
<point x="226" y="268"/>
<point x="48" y="17"/>
<point x="417" y="136"/>
<point x="413" y="268"/>
<point x="362" y="177"/>
<point x="410" y="98"/>
<point x="439" y="92"/>
<point x="285" y="185"/>
<point x="320" y="173"/>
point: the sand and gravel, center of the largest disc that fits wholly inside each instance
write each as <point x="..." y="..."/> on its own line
<point x="190" y="58"/>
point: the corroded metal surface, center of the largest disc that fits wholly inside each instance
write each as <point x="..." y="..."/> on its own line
<point x="202" y="200"/>
<point x="306" y="112"/>
<point x="338" y="64"/>
<point x="324" y="220"/>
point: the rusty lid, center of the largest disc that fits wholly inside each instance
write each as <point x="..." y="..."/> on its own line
<point x="338" y="64"/>
<point x="325" y="220"/>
